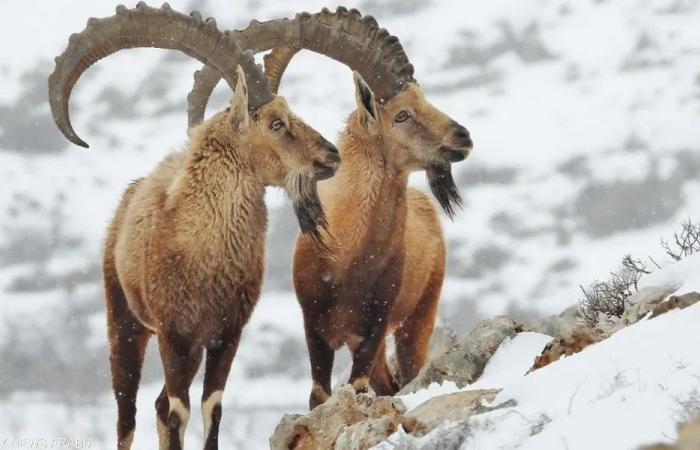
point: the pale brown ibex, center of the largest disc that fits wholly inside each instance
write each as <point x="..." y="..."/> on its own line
<point x="388" y="260"/>
<point x="184" y="254"/>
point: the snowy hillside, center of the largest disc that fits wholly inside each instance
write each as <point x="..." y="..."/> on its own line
<point x="629" y="390"/>
<point x="587" y="147"/>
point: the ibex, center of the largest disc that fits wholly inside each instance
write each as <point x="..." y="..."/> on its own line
<point x="183" y="258"/>
<point x="388" y="260"/>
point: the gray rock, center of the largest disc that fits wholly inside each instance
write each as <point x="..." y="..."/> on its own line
<point x="465" y="362"/>
<point x="456" y="407"/>
<point x="555" y="325"/>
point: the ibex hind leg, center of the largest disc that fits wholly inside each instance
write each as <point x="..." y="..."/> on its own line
<point x="127" y="346"/>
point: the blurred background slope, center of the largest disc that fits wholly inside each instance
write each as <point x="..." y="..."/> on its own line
<point x="586" y="121"/>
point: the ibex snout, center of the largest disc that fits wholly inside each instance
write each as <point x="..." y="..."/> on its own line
<point x="326" y="166"/>
<point x="461" y="137"/>
<point x="459" y="145"/>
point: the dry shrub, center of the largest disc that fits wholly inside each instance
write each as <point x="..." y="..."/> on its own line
<point x="606" y="299"/>
<point x="685" y="243"/>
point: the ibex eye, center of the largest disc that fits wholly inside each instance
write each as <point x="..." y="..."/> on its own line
<point x="402" y="116"/>
<point x="276" y="125"/>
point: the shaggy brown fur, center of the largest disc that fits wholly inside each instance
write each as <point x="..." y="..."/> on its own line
<point x="389" y="253"/>
<point x="183" y="257"/>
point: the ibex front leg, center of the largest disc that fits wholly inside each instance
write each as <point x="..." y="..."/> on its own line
<point x="375" y="322"/>
<point x="364" y="355"/>
<point x="181" y="357"/>
<point x="218" y="365"/>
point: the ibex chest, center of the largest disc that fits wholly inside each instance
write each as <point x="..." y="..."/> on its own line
<point x="360" y="295"/>
<point x="204" y="278"/>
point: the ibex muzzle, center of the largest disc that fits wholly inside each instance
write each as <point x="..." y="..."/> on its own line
<point x="326" y="167"/>
<point x="459" y="145"/>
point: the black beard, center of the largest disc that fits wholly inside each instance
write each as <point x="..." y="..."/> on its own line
<point x="301" y="187"/>
<point x="443" y="186"/>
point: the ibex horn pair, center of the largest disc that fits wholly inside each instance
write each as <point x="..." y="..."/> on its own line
<point x="144" y="26"/>
<point x="344" y="35"/>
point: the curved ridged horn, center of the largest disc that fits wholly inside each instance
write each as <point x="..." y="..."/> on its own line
<point x="344" y="35"/>
<point x="144" y="26"/>
<point x="276" y="63"/>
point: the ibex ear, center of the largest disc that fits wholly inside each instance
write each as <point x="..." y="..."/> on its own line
<point x="366" y="105"/>
<point x="238" y="115"/>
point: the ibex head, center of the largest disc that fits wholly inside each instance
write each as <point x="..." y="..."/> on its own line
<point x="390" y="102"/>
<point x="282" y="139"/>
<point x="290" y="153"/>
<point x="293" y="154"/>
<point x="417" y="133"/>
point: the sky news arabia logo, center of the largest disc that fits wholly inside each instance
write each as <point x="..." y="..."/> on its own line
<point x="41" y="443"/>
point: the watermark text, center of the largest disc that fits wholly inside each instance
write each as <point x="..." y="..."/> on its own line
<point x="41" y="443"/>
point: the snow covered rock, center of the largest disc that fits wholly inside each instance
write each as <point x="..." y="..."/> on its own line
<point x="638" y="306"/>
<point x="346" y="421"/>
<point x="645" y="373"/>
<point x="458" y="406"/>
<point x="555" y="325"/>
<point x="676" y="302"/>
<point x="649" y="301"/>
<point x="465" y="362"/>
<point x="569" y="342"/>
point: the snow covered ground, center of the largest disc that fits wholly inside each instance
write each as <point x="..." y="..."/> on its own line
<point x="585" y="120"/>
<point x="631" y="389"/>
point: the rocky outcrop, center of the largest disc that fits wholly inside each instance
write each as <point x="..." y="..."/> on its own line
<point x="676" y="302"/>
<point x="361" y="421"/>
<point x="346" y="421"/>
<point x="573" y="337"/>
<point x="465" y="361"/>
<point x="569" y="342"/>
<point x="349" y="421"/>
<point x="638" y="306"/>
<point x="456" y="407"/>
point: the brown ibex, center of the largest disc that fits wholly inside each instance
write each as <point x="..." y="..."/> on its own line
<point x="184" y="254"/>
<point x="388" y="260"/>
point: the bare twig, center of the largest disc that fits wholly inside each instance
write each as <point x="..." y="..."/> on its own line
<point x="573" y="395"/>
<point x="635" y="265"/>
<point x="685" y="243"/>
<point x="607" y="298"/>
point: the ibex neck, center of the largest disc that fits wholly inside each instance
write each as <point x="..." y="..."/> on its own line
<point x="219" y="200"/>
<point x="367" y="199"/>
